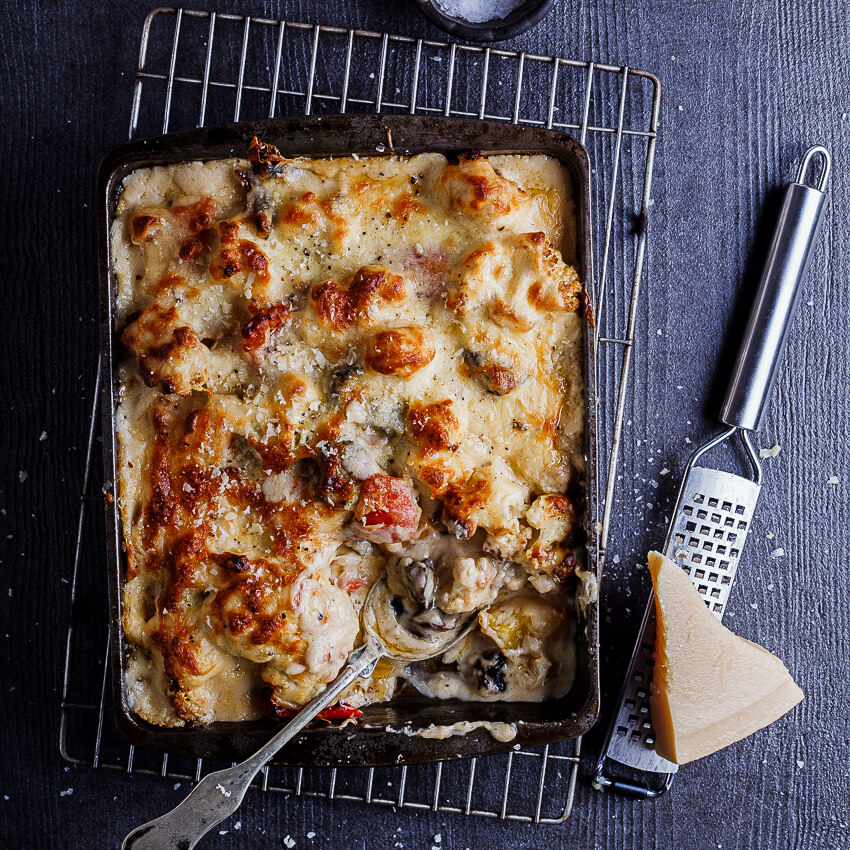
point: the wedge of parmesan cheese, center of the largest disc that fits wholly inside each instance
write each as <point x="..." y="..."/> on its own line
<point x="710" y="687"/>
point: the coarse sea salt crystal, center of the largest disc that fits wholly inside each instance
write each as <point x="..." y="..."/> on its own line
<point x="773" y="451"/>
<point x="478" y="11"/>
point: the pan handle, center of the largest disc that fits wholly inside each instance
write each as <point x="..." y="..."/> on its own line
<point x="776" y="300"/>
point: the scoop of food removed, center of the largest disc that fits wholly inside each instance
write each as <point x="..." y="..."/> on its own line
<point x="710" y="687"/>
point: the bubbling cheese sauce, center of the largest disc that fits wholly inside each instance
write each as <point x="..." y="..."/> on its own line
<point x="499" y="731"/>
<point x="334" y="368"/>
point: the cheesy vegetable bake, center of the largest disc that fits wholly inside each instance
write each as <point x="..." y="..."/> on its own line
<point x="337" y="368"/>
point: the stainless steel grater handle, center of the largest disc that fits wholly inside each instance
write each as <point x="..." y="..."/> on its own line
<point x="777" y="297"/>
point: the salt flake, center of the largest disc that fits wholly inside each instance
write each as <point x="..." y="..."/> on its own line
<point x="773" y="451"/>
<point x="478" y="11"/>
<point x="778" y="552"/>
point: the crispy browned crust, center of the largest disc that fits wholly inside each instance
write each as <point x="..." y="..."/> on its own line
<point x="400" y="351"/>
<point x="475" y="188"/>
<point x="145" y="227"/>
<point x="263" y="152"/>
<point x="434" y="426"/>
<point x="341" y="305"/>
<point x="238" y="255"/>
<point x="196" y="217"/>
<point x="258" y="331"/>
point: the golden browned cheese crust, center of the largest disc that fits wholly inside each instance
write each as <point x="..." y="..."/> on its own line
<point x="333" y="366"/>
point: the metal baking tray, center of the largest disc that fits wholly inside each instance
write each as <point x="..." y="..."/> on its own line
<point x="368" y="743"/>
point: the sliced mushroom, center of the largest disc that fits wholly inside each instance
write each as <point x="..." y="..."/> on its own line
<point x="419" y="577"/>
<point x="434" y="618"/>
<point x="489" y="671"/>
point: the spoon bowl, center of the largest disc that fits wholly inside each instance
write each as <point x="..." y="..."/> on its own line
<point x="400" y="636"/>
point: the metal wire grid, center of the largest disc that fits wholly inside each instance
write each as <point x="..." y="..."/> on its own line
<point x="199" y="68"/>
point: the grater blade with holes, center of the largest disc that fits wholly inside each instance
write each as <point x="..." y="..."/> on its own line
<point x="715" y="508"/>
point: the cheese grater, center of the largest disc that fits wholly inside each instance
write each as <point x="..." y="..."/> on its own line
<point x="714" y="509"/>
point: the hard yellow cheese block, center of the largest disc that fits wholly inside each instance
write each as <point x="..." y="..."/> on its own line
<point x="710" y="687"/>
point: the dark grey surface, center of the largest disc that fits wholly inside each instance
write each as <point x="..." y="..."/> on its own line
<point x="746" y="89"/>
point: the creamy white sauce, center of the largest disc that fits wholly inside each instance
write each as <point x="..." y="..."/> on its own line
<point x="500" y="731"/>
<point x="588" y="591"/>
<point x="497" y="443"/>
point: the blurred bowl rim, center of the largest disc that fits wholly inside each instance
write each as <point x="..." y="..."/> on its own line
<point x="514" y="24"/>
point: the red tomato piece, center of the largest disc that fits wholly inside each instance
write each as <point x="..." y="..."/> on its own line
<point x="386" y="511"/>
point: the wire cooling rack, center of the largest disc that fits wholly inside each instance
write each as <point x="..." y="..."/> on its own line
<point x="199" y="68"/>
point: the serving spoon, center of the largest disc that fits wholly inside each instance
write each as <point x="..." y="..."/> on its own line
<point x="218" y="795"/>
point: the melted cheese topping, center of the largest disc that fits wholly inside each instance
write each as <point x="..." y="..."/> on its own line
<point x="500" y="731"/>
<point x="335" y="366"/>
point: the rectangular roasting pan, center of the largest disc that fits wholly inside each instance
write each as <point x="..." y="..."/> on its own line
<point x="368" y="743"/>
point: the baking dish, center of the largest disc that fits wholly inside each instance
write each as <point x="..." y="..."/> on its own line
<point x="372" y="740"/>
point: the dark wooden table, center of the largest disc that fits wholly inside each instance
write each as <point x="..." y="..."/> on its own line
<point x="746" y="88"/>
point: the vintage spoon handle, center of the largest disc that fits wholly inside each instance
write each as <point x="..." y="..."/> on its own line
<point x="218" y="795"/>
